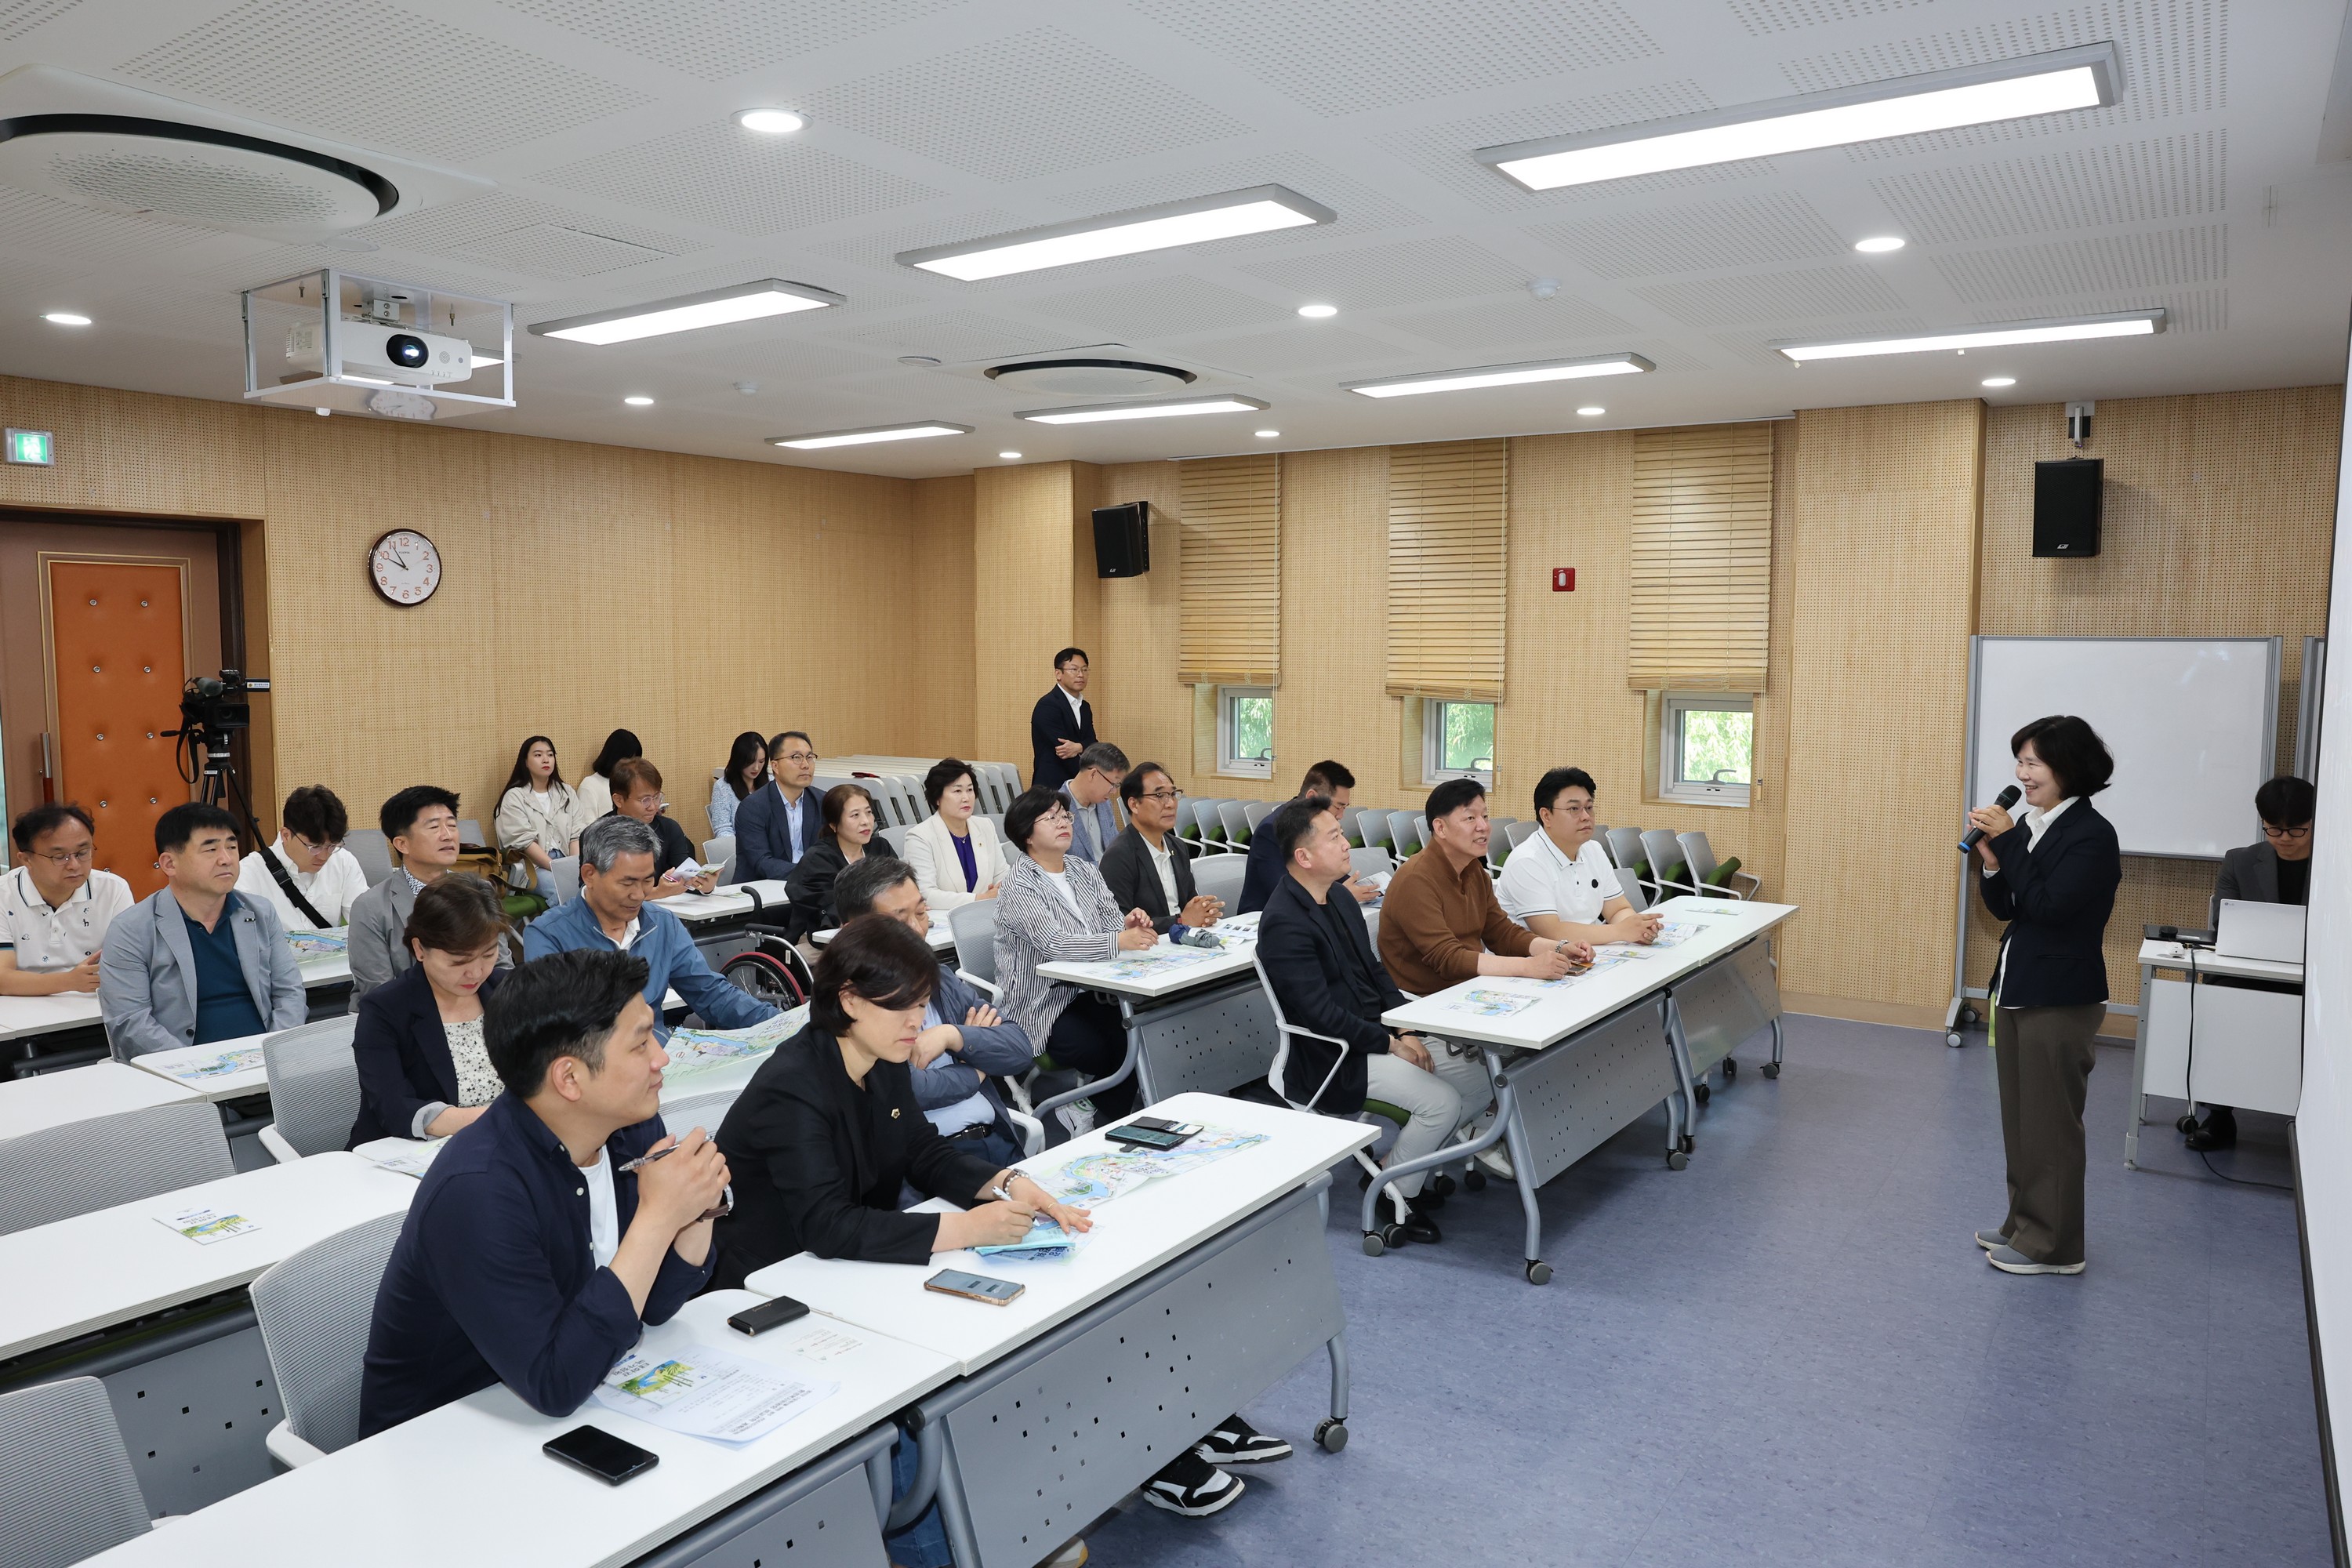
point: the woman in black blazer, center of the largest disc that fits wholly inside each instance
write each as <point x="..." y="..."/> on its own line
<point x="849" y="828"/>
<point x="2051" y="875"/>
<point x="423" y="1069"/>
<point x="1130" y="870"/>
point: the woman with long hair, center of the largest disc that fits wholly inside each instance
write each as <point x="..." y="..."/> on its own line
<point x="849" y="828"/>
<point x="746" y="770"/>
<point x="596" y="789"/>
<point x="538" y="813"/>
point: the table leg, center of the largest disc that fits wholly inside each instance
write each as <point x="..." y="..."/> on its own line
<point x="930" y="1451"/>
<point x="1523" y="1167"/>
<point x="1332" y="1435"/>
<point x="1686" y="1139"/>
<point x="2136" y="1104"/>
<point x="1451" y="1154"/>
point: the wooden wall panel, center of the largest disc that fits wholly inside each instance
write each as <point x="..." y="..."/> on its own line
<point x="939" y="712"/>
<point x="1334" y="699"/>
<point x="136" y="452"/>
<point x="1883" y="603"/>
<point x="1143" y="706"/>
<point x="1023" y="577"/>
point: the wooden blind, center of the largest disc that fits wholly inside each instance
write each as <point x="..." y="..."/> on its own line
<point x="1447" y="507"/>
<point x="1230" y="531"/>
<point x="1702" y="589"/>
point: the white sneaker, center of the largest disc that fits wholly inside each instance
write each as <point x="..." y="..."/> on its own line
<point x="1078" y="1115"/>
<point x="1497" y="1162"/>
<point x="1074" y="1555"/>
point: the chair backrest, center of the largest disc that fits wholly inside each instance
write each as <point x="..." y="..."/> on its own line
<point x="1008" y="786"/>
<point x="469" y="831"/>
<point x="1518" y="832"/>
<point x="1236" y="817"/>
<point x="907" y="799"/>
<point x="1624" y="846"/>
<point x="1210" y="815"/>
<point x="67" y="1488"/>
<point x="58" y="1173"/>
<point x="1367" y="862"/>
<point x="566" y="878"/>
<point x="372" y="850"/>
<point x="315" y="1307"/>
<point x="1699" y="855"/>
<point x="1283" y="1029"/>
<point x="1194" y="816"/>
<point x="1664" y="853"/>
<point x="1634" y="893"/>
<point x="1372" y="826"/>
<point x="1256" y="812"/>
<point x="974" y="927"/>
<point x="1404" y="832"/>
<point x="720" y="851"/>
<point x="705" y="1111"/>
<point x="314" y="1084"/>
<point x="1221" y="876"/>
<point x="1348" y="830"/>
<point x="894" y="836"/>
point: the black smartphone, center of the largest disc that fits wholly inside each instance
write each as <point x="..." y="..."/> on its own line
<point x="771" y="1313"/>
<point x="608" y="1458"/>
<point x="1136" y="1137"/>
<point x="973" y="1286"/>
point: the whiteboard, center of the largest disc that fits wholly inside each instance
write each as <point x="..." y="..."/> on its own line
<point x="2193" y="721"/>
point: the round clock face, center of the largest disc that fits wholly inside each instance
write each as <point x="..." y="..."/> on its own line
<point x="404" y="567"/>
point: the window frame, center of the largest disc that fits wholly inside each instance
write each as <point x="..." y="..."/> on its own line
<point x="1228" y="762"/>
<point x="1672" y="786"/>
<point x="1433" y="743"/>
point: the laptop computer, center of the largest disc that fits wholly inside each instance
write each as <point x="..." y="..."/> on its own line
<point x="2251" y="929"/>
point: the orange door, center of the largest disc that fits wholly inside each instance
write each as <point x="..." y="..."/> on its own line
<point x="119" y="648"/>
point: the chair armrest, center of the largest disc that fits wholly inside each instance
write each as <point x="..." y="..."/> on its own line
<point x="290" y="1450"/>
<point x="274" y="1141"/>
<point x="1033" y="1132"/>
<point x="1311" y="1035"/>
<point x="986" y="987"/>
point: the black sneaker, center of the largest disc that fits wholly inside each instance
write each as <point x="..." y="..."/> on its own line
<point x="2219" y="1130"/>
<point x="1235" y="1441"/>
<point x="1191" y="1485"/>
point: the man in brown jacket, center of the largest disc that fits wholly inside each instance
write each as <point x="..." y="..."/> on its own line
<point x="1440" y="923"/>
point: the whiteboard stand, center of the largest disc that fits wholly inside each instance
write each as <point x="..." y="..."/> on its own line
<point x="2307" y="709"/>
<point x="2221" y="693"/>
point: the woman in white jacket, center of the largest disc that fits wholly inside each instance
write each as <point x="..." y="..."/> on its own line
<point x="957" y="855"/>
<point x="540" y="814"/>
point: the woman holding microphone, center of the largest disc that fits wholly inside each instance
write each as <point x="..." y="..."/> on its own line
<point x="2052" y="874"/>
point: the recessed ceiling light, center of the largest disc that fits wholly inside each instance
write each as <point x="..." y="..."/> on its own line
<point x="2125" y="325"/>
<point x="1260" y="209"/>
<point x="66" y="318"/>
<point x="1097" y="412"/>
<point x="1501" y="375"/>
<point x="1972" y="95"/>
<point x="1879" y="244"/>
<point x="1593" y="411"/>
<point x="872" y="433"/>
<point x="638" y="402"/>
<point x="1318" y="312"/>
<point x="322" y="413"/>
<point x="717" y="307"/>
<point x="770" y="121"/>
<point x="483" y="359"/>
<point x="2000" y="381"/>
<point x="1009" y="456"/>
<point x="1267" y="435"/>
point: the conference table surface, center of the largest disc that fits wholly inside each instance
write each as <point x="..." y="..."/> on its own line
<point x="1167" y="968"/>
<point x="22" y="1017"/>
<point x="77" y="1094"/>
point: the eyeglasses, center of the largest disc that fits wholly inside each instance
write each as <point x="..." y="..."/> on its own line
<point x="324" y="847"/>
<point x="1164" y="796"/>
<point x="2292" y="835"/>
<point x="62" y="858"/>
<point x="1054" y="813"/>
<point x="798" y="757"/>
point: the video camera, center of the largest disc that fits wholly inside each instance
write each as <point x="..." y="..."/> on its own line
<point x="212" y="704"/>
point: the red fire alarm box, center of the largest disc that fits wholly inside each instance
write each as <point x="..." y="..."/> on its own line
<point x="1563" y="579"/>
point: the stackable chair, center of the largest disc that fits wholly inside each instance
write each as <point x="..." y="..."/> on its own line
<point x="67" y="1488"/>
<point x="894" y="836"/>
<point x="314" y="1088"/>
<point x="973" y="925"/>
<point x="57" y="1173"/>
<point x="1349" y="828"/>
<point x="1721" y="878"/>
<point x="1368" y="862"/>
<point x="1518" y="833"/>
<point x="1235" y="815"/>
<point x="1221" y="876"/>
<point x="1664" y="851"/>
<point x="1625" y="848"/>
<point x="372" y="850"/>
<point x="1405" y="832"/>
<point x="1210" y="815"/>
<point x="566" y="876"/>
<point x="719" y="853"/>
<point x="1372" y="826"/>
<point x="1255" y="811"/>
<point x="314" y="1308"/>
<point x="1634" y="892"/>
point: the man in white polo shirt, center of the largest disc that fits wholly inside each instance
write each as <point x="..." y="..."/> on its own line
<point x="55" y="906"/>
<point x="310" y="851"/>
<point x="1558" y="882"/>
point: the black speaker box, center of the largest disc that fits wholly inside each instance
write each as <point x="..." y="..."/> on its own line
<point x="2065" y="506"/>
<point x="1123" y="540"/>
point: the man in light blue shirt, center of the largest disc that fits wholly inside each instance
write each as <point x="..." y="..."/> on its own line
<point x="1093" y="826"/>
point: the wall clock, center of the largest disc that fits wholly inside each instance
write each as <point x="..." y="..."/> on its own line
<point x="405" y="566"/>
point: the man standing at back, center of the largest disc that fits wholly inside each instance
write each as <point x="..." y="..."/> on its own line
<point x="1062" y="725"/>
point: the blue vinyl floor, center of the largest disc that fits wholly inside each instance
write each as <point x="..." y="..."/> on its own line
<point x="1793" y="1352"/>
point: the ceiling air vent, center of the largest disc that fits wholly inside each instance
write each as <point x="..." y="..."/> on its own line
<point x="190" y="174"/>
<point x="1090" y="377"/>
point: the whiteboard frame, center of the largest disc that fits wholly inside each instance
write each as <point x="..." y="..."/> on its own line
<point x="1962" y="992"/>
<point x="2308" y="709"/>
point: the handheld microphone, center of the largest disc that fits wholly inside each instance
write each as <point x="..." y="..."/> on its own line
<point x="2004" y="800"/>
<point x="1194" y="936"/>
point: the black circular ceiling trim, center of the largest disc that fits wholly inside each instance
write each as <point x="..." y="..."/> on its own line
<point x="1188" y="377"/>
<point x="386" y="194"/>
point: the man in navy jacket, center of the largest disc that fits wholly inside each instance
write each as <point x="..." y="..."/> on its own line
<point x="777" y="822"/>
<point x="533" y="1255"/>
<point x="1062" y="724"/>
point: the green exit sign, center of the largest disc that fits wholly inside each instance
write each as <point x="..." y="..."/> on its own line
<point x="32" y="446"/>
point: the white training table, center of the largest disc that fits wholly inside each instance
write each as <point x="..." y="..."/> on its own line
<point x="205" y="1070"/>
<point x="728" y="902"/>
<point x="942" y="939"/>
<point x="1193" y="1023"/>
<point x="2246" y="1050"/>
<point x="25" y="1017"/>
<point x="77" y="1094"/>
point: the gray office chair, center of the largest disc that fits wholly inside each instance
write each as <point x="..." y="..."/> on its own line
<point x="469" y="831"/>
<point x="1235" y="815"/>
<point x="1667" y="872"/>
<point x="895" y="836"/>
<point x="1192" y="826"/>
<point x="1255" y="811"/>
<point x="1372" y="826"/>
<point x="1634" y="893"/>
<point x="58" y="1173"/>
<point x="315" y="1307"/>
<point x="705" y="1111"/>
<point x="1367" y="862"/>
<point x="1518" y="833"/>
<point x="566" y="876"/>
<point x="1209" y="817"/>
<point x="1712" y="876"/>
<point x="1405" y="834"/>
<point x="719" y="852"/>
<point x="1625" y="848"/>
<point x="1221" y="876"/>
<point x="1008" y="784"/>
<point x="371" y="851"/>
<point x="1348" y="830"/>
<point x="973" y="926"/>
<point x="67" y="1488"/>
<point x="314" y="1088"/>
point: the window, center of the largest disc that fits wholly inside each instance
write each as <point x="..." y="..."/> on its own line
<point x="1246" y="730"/>
<point x="1705" y="747"/>
<point x="1457" y="742"/>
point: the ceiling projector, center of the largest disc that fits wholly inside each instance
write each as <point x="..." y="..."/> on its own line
<point x="370" y="348"/>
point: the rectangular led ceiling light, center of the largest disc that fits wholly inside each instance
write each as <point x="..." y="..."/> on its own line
<point x="2126" y="324"/>
<point x="688" y="312"/>
<point x="1500" y="376"/>
<point x="824" y="438"/>
<point x="1096" y="412"/>
<point x="2084" y="77"/>
<point x="1258" y="210"/>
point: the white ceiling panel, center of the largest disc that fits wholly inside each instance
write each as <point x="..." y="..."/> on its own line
<point x="723" y="177"/>
<point x="2122" y="182"/>
<point x="1525" y="322"/>
<point x="2162" y="259"/>
<point x="1804" y="294"/>
<point x="1168" y="307"/>
<point x="1740" y="231"/>
<point x="1413" y="272"/>
<point x="718" y="40"/>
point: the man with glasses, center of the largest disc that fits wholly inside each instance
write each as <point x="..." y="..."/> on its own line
<point x="777" y="822"/>
<point x="1147" y="867"/>
<point x="1102" y="769"/>
<point x="2275" y="872"/>
<point x="420" y="823"/>
<point x="637" y="793"/>
<point x="54" y="907"/>
<point x="1264" y="871"/>
<point x="1062" y="725"/>
<point x="316" y="880"/>
<point x="1558" y="882"/>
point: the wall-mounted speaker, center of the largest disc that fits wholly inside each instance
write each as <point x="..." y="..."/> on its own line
<point x="1123" y="540"/>
<point x="2066" y="506"/>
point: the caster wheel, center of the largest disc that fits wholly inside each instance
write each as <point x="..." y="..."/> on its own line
<point x="1393" y="1237"/>
<point x="1442" y="1185"/>
<point x="1473" y="1180"/>
<point x="1538" y="1273"/>
<point x="2187" y="1123"/>
<point x="1952" y="1038"/>
<point x="1331" y="1435"/>
<point x="1677" y="1161"/>
<point x="1971" y="1017"/>
<point x="1771" y="1070"/>
<point x="1703" y="1093"/>
<point x="1730" y="1069"/>
<point x="1689" y="1143"/>
<point x="1373" y="1246"/>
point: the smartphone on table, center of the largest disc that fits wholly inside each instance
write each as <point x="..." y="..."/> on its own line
<point x="771" y="1313"/>
<point x="608" y="1458"/>
<point x="973" y="1286"/>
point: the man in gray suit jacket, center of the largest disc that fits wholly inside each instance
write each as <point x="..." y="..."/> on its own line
<point x="1100" y="769"/>
<point x="2275" y="872"/>
<point x="421" y="824"/>
<point x="196" y="962"/>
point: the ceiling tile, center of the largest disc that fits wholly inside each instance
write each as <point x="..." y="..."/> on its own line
<point x="1040" y="102"/>
<point x="1295" y="350"/>
<point x="1523" y="321"/>
<point x="2131" y="182"/>
<point x="1764" y="17"/>
<point x="32" y="222"/>
<point x="724" y="177"/>
<point x="1341" y="57"/>
<point x="2161" y="260"/>
<point x="1160" y="307"/>
<point x="443" y="230"/>
<point x="551" y="250"/>
<point x="1414" y="272"/>
<point x="1813" y="293"/>
<point x="721" y="39"/>
<point x="353" y="67"/>
<point x="1745" y="231"/>
<point x="19" y="18"/>
<point x="953" y="335"/>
